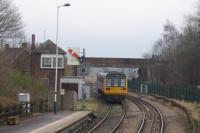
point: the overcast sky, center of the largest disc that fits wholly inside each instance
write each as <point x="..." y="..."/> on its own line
<point x="105" y="28"/>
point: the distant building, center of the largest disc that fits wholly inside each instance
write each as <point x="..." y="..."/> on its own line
<point x="16" y="58"/>
<point x="43" y="60"/>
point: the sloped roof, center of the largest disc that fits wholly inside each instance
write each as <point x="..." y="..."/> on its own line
<point x="11" y="54"/>
<point x="48" y="47"/>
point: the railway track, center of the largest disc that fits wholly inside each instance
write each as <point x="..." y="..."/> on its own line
<point x="152" y="119"/>
<point x="111" y="120"/>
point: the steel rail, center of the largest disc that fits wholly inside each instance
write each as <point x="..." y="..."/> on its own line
<point x="141" y="104"/>
<point x="104" y="118"/>
<point x="134" y="100"/>
<point x="158" y="111"/>
<point x="155" y="124"/>
<point x="121" y="120"/>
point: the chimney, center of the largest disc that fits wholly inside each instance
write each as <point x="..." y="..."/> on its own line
<point x="24" y="45"/>
<point x="6" y="46"/>
<point x="33" y="42"/>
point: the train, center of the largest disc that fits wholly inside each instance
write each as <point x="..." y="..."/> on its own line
<point x="112" y="86"/>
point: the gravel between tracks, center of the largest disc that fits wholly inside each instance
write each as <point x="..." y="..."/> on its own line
<point x="130" y="123"/>
<point x="174" y="119"/>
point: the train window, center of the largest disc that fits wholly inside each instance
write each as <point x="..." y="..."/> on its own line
<point x="115" y="82"/>
<point x="108" y="82"/>
<point x="122" y="82"/>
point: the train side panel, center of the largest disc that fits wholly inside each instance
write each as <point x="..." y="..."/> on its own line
<point x="100" y="84"/>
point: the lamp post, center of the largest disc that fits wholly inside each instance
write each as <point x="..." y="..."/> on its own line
<point x="56" y="70"/>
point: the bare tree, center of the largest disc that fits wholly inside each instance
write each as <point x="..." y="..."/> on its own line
<point x="180" y="54"/>
<point x="11" y="26"/>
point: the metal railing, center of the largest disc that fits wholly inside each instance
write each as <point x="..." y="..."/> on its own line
<point x="187" y="93"/>
<point x="22" y="110"/>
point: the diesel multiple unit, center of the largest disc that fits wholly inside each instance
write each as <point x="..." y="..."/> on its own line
<point x="112" y="85"/>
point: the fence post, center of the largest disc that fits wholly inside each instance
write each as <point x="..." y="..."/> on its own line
<point x="26" y="108"/>
<point x="14" y="112"/>
<point x="193" y="96"/>
<point x="186" y="93"/>
<point x="198" y="95"/>
<point x="21" y="108"/>
<point x="194" y="93"/>
<point x="45" y="106"/>
<point x="171" y="91"/>
<point x="7" y="110"/>
<point x="176" y="92"/>
<point x="41" y="106"/>
<point x="157" y="88"/>
<point x="167" y="89"/>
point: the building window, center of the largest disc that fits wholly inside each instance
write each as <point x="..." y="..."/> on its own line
<point x="54" y="61"/>
<point x="49" y="61"/>
<point x="60" y="62"/>
<point x="46" y="62"/>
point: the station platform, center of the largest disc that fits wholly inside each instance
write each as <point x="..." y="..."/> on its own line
<point x="46" y="123"/>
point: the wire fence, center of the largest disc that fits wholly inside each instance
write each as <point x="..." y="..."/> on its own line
<point x="186" y="93"/>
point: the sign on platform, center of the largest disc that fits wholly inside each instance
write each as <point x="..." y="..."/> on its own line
<point x="73" y="55"/>
<point x="62" y="91"/>
<point x="24" y="97"/>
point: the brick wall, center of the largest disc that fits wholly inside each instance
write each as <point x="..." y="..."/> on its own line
<point x="47" y="74"/>
<point x="117" y="62"/>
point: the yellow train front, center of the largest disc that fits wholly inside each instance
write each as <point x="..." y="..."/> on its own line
<point x="112" y="85"/>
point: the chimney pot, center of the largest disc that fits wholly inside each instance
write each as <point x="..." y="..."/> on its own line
<point x="33" y="42"/>
<point x="24" y="45"/>
<point x="7" y="46"/>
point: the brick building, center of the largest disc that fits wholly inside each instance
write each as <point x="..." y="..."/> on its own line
<point x="43" y="62"/>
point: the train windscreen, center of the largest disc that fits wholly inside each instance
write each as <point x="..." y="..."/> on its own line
<point x="116" y="80"/>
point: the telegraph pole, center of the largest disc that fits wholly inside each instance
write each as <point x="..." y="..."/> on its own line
<point x="83" y="69"/>
<point x="82" y="62"/>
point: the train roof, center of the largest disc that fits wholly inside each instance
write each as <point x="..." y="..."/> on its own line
<point x="109" y="72"/>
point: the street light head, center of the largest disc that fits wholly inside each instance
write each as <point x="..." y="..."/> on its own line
<point x="67" y="4"/>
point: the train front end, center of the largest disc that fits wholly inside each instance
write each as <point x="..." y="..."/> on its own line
<point x="115" y="87"/>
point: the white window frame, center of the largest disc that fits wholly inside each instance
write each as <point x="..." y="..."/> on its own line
<point x="109" y="82"/>
<point x="116" y="82"/>
<point x="122" y="82"/>
<point x="51" y="56"/>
